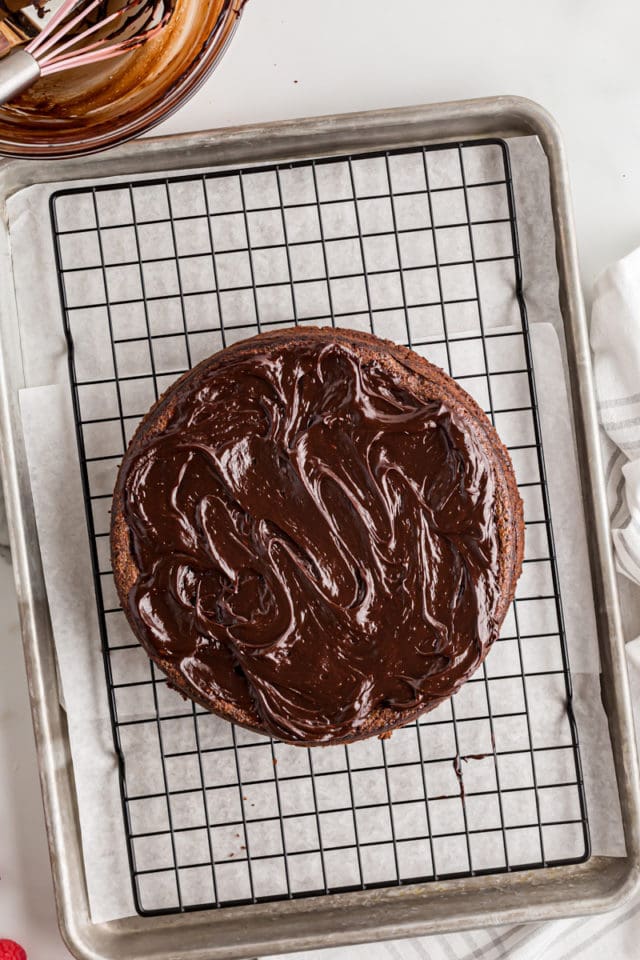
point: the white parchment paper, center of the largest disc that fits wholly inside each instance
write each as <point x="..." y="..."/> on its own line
<point x="55" y="477"/>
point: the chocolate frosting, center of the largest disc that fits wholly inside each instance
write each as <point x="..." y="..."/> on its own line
<point x="315" y="542"/>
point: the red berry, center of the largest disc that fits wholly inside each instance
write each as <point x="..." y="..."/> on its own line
<point x="10" y="950"/>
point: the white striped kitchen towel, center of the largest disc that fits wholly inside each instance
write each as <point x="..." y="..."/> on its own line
<point x="615" y="340"/>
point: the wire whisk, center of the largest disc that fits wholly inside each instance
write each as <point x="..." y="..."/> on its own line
<point x="81" y="33"/>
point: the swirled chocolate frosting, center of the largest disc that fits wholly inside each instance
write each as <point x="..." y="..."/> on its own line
<point x="315" y="542"/>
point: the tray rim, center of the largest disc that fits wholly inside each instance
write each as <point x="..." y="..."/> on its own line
<point x="342" y="919"/>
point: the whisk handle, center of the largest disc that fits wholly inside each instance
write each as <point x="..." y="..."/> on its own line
<point x="18" y="70"/>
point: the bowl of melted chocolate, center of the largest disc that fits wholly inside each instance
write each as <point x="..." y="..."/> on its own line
<point x="317" y="534"/>
<point x="87" y="109"/>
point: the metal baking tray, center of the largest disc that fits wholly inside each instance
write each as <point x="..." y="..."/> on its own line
<point x="411" y="910"/>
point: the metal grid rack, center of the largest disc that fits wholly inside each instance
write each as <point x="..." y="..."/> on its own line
<point x="419" y="245"/>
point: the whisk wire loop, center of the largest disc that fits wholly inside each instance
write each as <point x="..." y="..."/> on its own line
<point x="62" y="43"/>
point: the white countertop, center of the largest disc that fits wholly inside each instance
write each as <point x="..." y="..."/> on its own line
<point x="295" y="58"/>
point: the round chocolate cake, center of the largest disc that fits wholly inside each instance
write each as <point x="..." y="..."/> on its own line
<point x="317" y="534"/>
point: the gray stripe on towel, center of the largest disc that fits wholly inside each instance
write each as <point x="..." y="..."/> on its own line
<point x="634" y="445"/>
<point x="621" y="424"/>
<point x="620" y="501"/>
<point x="576" y="949"/>
<point x="622" y="402"/>
<point x="615" y="457"/>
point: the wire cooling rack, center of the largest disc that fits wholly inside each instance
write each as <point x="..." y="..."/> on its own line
<point x="417" y="245"/>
